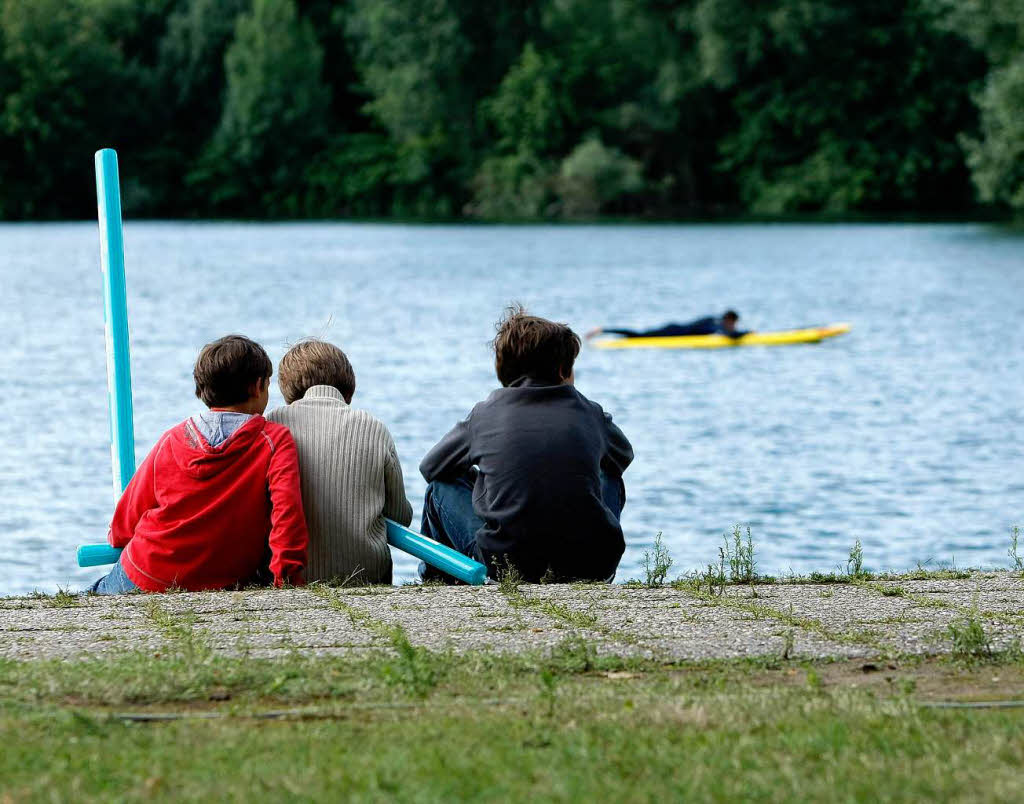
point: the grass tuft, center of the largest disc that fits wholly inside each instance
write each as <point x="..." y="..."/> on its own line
<point x="740" y="556"/>
<point x="574" y="654"/>
<point x="855" y="563"/>
<point x="657" y="562"/>
<point x="787" y="644"/>
<point x="509" y="578"/>
<point x="970" y="642"/>
<point x="63" y="599"/>
<point x="1013" y="552"/>
<point x="416" y="669"/>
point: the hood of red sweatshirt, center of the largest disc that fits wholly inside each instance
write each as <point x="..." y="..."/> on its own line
<point x="193" y="454"/>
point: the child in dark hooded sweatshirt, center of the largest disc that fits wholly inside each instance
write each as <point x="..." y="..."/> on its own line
<point x="217" y="492"/>
<point x="533" y="478"/>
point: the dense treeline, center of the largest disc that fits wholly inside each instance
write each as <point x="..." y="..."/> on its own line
<point x="513" y="108"/>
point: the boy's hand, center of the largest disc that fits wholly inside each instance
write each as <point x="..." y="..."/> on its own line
<point x="593" y="333"/>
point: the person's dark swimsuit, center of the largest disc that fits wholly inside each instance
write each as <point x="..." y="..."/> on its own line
<point x="702" y="326"/>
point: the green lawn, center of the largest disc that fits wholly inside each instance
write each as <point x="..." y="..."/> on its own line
<point x="417" y="726"/>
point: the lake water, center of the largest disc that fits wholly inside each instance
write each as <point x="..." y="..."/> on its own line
<point x="905" y="434"/>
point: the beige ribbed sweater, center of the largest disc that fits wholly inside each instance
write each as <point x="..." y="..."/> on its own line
<point x="351" y="480"/>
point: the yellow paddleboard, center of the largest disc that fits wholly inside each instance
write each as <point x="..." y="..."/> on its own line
<point x="783" y="338"/>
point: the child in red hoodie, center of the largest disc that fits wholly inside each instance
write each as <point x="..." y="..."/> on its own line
<point x="216" y="491"/>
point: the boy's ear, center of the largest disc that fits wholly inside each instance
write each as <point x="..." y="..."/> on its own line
<point x="259" y="386"/>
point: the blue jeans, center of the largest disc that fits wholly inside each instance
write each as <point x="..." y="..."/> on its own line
<point x="449" y="518"/>
<point x="114" y="582"/>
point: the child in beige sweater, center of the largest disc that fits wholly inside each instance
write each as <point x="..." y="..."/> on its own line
<point x="350" y="474"/>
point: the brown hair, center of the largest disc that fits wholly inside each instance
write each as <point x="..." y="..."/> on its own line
<point x="315" y="362"/>
<point x="227" y="369"/>
<point x="527" y="345"/>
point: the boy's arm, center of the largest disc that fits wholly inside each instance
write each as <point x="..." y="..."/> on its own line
<point x="288" y="536"/>
<point x="619" y="454"/>
<point x="138" y="497"/>
<point x="396" y="504"/>
<point x="450" y="456"/>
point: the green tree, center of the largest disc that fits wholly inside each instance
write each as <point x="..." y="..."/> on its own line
<point x="191" y="75"/>
<point x="527" y="113"/>
<point x="71" y="84"/>
<point x="617" y="79"/>
<point x="427" y="65"/>
<point x="412" y="55"/>
<point x="274" y="117"/>
<point x="514" y="108"/>
<point x="996" y="156"/>
<point x="594" y="176"/>
<point x="529" y="108"/>
<point x="842" y="106"/>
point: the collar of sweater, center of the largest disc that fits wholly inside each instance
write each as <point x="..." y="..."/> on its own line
<point x="324" y="392"/>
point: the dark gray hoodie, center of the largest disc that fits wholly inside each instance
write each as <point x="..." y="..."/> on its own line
<point x="540" y="450"/>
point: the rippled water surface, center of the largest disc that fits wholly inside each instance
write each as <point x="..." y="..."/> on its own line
<point x="905" y="434"/>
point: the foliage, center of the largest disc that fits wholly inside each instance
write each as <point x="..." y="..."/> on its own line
<point x="996" y="154"/>
<point x="248" y="728"/>
<point x="657" y="563"/>
<point x="415" y="668"/>
<point x="594" y="176"/>
<point x="740" y="556"/>
<point x="65" y="79"/>
<point x="996" y="157"/>
<point x="274" y="113"/>
<point x="1014" y="551"/>
<point x="843" y="106"/>
<point x="513" y="110"/>
<point x="514" y="186"/>
<point x="969" y="640"/>
<point x="855" y="563"/>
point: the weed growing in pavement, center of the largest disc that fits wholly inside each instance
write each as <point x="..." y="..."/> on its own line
<point x="970" y="642"/>
<point x="787" y="644"/>
<point x="1015" y="556"/>
<point x="415" y="668"/>
<point x="657" y="562"/>
<point x="820" y="577"/>
<point x="855" y="563"/>
<point x="922" y="573"/>
<point x="509" y="578"/>
<point x="179" y="629"/>
<point x="574" y="654"/>
<point x="740" y="556"/>
<point x="580" y="619"/>
<point x="63" y="599"/>
<point x="714" y="577"/>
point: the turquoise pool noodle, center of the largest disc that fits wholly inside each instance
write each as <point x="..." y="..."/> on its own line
<point x="96" y="555"/>
<point x="115" y="309"/>
<point x="437" y="555"/>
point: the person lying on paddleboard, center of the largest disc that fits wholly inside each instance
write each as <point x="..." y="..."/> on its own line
<point x="726" y="325"/>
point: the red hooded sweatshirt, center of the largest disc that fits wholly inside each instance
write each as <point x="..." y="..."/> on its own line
<point x="200" y="517"/>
